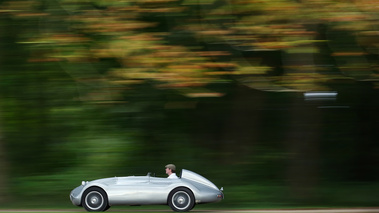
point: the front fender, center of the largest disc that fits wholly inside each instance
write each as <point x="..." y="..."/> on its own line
<point x="77" y="193"/>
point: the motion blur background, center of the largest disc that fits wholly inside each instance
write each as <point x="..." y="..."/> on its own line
<point x="275" y="100"/>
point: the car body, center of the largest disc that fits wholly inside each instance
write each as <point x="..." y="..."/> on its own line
<point x="180" y="194"/>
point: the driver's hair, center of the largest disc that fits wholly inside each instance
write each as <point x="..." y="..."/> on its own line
<point x="172" y="167"/>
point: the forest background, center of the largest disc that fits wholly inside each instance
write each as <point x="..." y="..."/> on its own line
<point x="95" y="88"/>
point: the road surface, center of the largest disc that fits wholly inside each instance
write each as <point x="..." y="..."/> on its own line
<point x="347" y="210"/>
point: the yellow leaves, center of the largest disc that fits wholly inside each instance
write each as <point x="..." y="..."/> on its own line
<point x="273" y="45"/>
<point x="299" y="45"/>
<point x="187" y="75"/>
<point x="120" y="48"/>
<point x="180" y="82"/>
<point x="214" y="32"/>
<point x="30" y="14"/>
<point x="23" y="9"/>
<point x="303" y="49"/>
<point x="134" y="74"/>
<point x="197" y="2"/>
<point x="155" y="1"/>
<point x="113" y="21"/>
<point x="120" y="30"/>
<point x="184" y="68"/>
<point x="127" y="72"/>
<point x="19" y="6"/>
<point x="64" y="47"/>
<point x="218" y="65"/>
<point x="219" y="73"/>
<point x="242" y="70"/>
<point x="158" y="6"/>
<point x="161" y="10"/>
<point x="183" y="75"/>
<point x="127" y="46"/>
<point x="367" y="5"/>
<point x="172" y="66"/>
<point x="213" y="53"/>
<point x="282" y="6"/>
<point x="110" y="26"/>
<point x="174" y="53"/>
<point x="204" y="94"/>
<point x="61" y="39"/>
<point x="348" y="54"/>
<point x="252" y="70"/>
<point x="346" y="16"/>
<point x="198" y="93"/>
<point x="304" y="81"/>
<point x="264" y="84"/>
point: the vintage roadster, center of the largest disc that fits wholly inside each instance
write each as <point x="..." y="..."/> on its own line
<point x="180" y="194"/>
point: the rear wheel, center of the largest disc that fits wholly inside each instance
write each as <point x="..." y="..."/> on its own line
<point x="95" y="200"/>
<point x="181" y="200"/>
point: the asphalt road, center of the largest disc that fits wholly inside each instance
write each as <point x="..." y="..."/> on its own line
<point x="306" y="211"/>
<point x="349" y="210"/>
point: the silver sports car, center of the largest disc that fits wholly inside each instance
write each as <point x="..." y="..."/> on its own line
<point x="180" y="194"/>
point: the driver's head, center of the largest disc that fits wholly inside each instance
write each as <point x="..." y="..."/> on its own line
<point x="170" y="168"/>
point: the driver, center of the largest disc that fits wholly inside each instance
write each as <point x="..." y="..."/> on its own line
<point x="170" y="171"/>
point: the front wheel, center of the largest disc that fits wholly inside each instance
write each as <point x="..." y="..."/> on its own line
<point x="95" y="200"/>
<point x="181" y="200"/>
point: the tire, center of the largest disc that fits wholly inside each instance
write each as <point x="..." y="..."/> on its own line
<point x="181" y="200"/>
<point x="95" y="200"/>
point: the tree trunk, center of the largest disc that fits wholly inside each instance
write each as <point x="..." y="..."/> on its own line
<point x="3" y="158"/>
<point x="303" y="147"/>
<point x="3" y="171"/>
<point x="303" y="136"/>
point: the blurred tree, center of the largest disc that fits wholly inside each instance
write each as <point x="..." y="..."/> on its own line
<point x="4" y="174"/>
<point x="5" y="61"/>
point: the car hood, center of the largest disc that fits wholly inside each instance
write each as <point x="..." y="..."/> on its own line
<point x="106" y="181"/>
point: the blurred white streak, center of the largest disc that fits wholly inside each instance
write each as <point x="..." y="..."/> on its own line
<point x="319" y="95"/>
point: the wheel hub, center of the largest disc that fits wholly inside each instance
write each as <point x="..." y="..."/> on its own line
<point x="181" y="200"/>
<point x="94" y="200"/>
